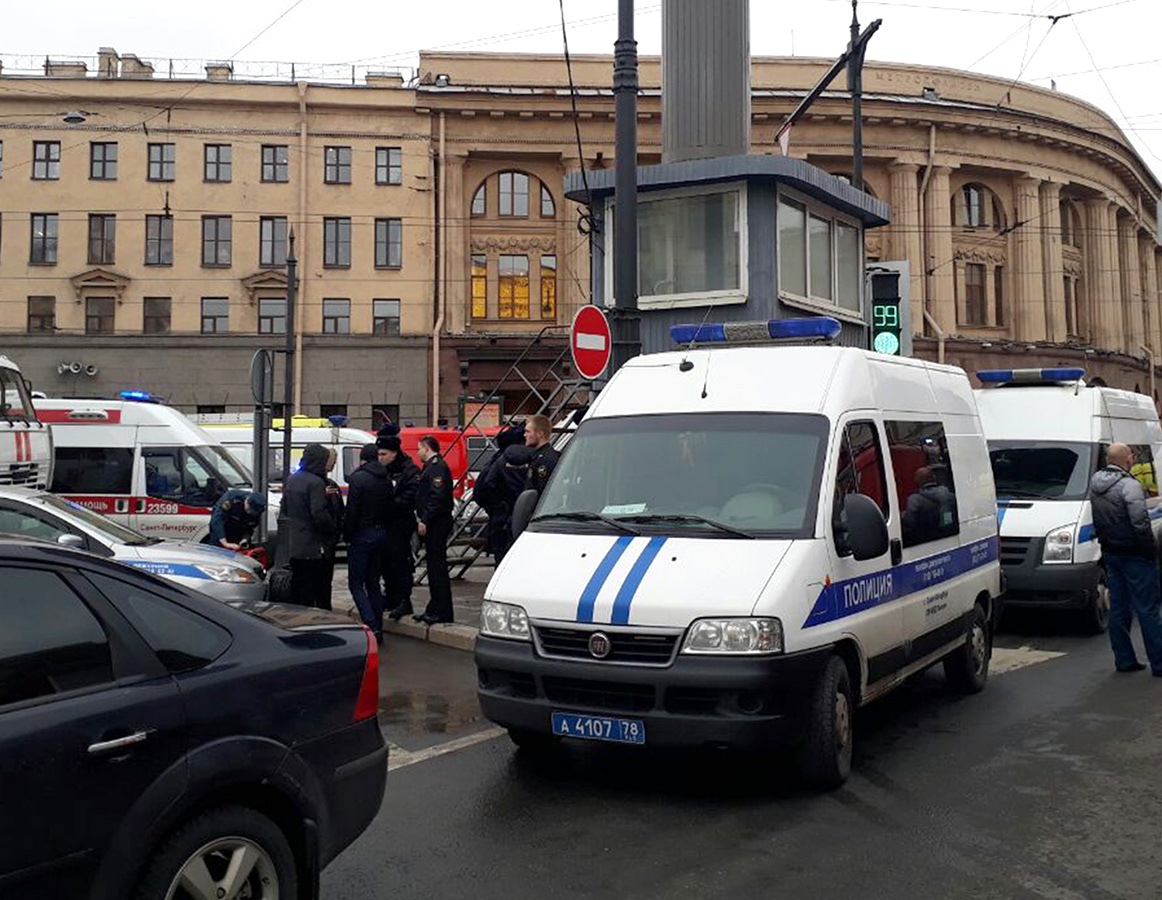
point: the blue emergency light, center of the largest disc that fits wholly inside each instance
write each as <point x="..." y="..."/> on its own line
<point x="338" y="421"/>
<point x="1030" y="376"/>
<point x="816" y="328"/>
<point x="140" y="397"/>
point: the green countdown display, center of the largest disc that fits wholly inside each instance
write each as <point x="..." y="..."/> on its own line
<point x="885" y="310"/>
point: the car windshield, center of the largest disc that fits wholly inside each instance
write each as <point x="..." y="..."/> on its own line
<point x="223" y="466"/>
<point x="1045" y="470"/>
<point x="726" y="475"/>
<point x="106" y="529"/>
<point x="15" y="405"/>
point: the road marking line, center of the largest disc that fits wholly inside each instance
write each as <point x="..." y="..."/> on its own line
<point x="399" y="757"/>
<point x="1008" y="659"/>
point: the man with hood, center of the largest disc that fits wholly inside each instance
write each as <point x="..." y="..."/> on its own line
<point x="369" y="498"/>
<point x="398" y="560"/>
<point x="502" y="482"/>
<point x="311" y="529"/>
<point x="1122" y="525"/>
<point x="235" y="516"/>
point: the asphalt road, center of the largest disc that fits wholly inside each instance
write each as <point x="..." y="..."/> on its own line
<point x="1044" y="787"/>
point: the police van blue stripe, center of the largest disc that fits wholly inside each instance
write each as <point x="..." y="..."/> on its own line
<point x="166" y="570"/>
<point x="855" y="595"/>
<point x="597" y="581"/>
<point x="633" y="581"/>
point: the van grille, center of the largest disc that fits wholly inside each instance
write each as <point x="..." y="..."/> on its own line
<point x="625" y="647"/>
<point x="24" y="475"/>
<point x="607" y="695"/>
<point x="1014" y="550"/>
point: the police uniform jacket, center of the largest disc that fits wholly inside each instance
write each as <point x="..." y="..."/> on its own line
<point x="434" y="492"/>
<point x="541" y="467"/>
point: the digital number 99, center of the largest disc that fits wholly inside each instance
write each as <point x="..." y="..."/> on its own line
<point x="886" y="316"/>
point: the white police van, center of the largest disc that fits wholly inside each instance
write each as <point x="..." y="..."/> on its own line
<point x="743" y="544"/>
<point x="1047" y="433"/>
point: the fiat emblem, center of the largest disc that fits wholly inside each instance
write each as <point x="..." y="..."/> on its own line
<point x="599" y="645"/>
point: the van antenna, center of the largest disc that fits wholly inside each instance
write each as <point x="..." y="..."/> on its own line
<point x="685" y="365"/>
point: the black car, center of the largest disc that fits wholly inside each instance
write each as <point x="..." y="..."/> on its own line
<point x="155" y="743"/>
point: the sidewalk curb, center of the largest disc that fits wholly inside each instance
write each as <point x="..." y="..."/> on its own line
<point x="453" y="636"/>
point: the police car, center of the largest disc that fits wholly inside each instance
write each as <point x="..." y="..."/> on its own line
<point x="221" y="574"/>
<point x="743" y="544"/>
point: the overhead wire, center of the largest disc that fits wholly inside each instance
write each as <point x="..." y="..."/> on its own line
<point x="585" y="222"/>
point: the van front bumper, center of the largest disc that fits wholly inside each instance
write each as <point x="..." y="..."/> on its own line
<point x="696" y="701"/>
<point x="1030" y="583"/>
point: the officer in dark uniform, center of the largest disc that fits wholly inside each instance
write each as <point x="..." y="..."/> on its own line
<point x="538" y="435"/>
<point x="235" y="516"/>
<point x="434" y="515"/>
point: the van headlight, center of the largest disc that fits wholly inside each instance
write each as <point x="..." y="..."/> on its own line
<point x="1059" y="545"/>
<point x="504" y="620"/>
<point x="734" y="636"/>
<point x="230" y="574"/>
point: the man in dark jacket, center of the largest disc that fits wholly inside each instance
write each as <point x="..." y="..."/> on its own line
<point x="311" y="529"/>
<point x="496" y="492"/>
<point x="434" y="515"/>
<point x="365" y="528"/>
<point x="1122" y="524"/>
<point x="398" y="559"/>
<point x="538" y="438"/>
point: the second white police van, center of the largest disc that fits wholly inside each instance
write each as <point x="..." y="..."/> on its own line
<point x="741" y="545"/>
<point x="1047" y="433"/>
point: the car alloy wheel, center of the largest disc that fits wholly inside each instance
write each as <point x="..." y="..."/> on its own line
<point x="230" y="868"/>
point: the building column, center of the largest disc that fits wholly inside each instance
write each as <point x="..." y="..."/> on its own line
<point x="1112" y="282"/>
<point x="454" y="266"/>
<point x="1134" y="334"/>
<point x="903" y="235"/>
<point x="1154" y="297"/>
<point x="939" y="261"/>
<point x="1152" y="326"/>
<point x="1098" y="265"/>
<point x="1027" y="280"/>
<point x="1052" y="263"/>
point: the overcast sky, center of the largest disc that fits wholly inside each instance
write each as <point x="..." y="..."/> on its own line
<point x="1118" y="38"/>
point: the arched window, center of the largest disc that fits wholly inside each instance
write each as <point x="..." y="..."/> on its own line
<point x="548" y="207"/>
<point x="480" y="200"/>
<point x="978" y="207"/>
<point x="514" y="194"/>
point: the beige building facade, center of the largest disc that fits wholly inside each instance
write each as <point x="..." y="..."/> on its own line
<point x="436" y="249"/>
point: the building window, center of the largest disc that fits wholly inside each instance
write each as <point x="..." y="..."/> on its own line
<point x="382" y="413"/>
<point x="1072" y="326"/>
<point x="479" y="286"/>
<point x="275" y="162"/>
<point x="336" y="316"/>
<point x="924" y="485"/>
<point x="159" y="240"/>
<point x="548" y="207"/>
<point x="337" y="165"/>
<point x="973" y="205"/>
<point x="385" y="317"/>
<point x="103" y="161"/>
<point x="162" y="162"/>
<point x="272" y="316"/>
<point x="102" y="239"/>
<point x="333" y="410"/>
<point x="388" y="165"/>
<point x="272" y="240"/>
<point x="157" y="315"/>
<point x="217" y="162"/>
<point x="99" y="315"/>
<point x="999" y="295"/>
<point x="43" y="248"/>
<point x="211" y="409"/>
<point x="215" y="315"/>
<point x="46" y="160"/>
<point x="975" y="303"/>
<point x="479" y="201"/>
<point x="514" y="287"/>
<point x="388" y="243"/>
<point x="216" y="241"/>
<point x="41" y="315"/>
<point x="548" y="287"/>
<point x="514" y="194"/>
<point x="337" y="243"/>
<point x="820" y="256"/>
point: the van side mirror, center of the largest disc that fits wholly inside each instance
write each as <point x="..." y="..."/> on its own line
<point x="867" y="532"/>
<point x="71" y="540"/>
<point x="522" y="511"/>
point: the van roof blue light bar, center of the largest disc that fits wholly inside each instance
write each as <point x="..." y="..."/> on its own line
<point x="1030" y="376"/>
<point x="816" y="328"/>
<point x="140" y="397"/>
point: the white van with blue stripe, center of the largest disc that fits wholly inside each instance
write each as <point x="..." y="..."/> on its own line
<point x="742" y="544"/>
<point x="1047" y="433"/>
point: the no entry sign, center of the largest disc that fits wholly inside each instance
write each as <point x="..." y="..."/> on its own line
<point x="591" y="342"/>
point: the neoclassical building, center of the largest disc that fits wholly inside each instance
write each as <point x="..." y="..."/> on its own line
<point x="436" y="246"/>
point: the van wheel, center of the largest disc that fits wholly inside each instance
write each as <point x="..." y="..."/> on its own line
<point x="825" y="757"/>
<point x="533" y="742"/>
<point x="228" y="852"/>
<point x="1096" y="618"/>
<point x="967" y="667"/>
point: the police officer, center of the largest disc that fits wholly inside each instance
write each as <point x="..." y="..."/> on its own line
<point x="398" y="562"/>
<point x="235" y="516"/>
<point x="434" y="515"/>
<point x="365" y="528"/>
<point x="538" y="435"/>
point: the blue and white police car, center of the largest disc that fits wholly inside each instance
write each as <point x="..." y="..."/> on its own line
<point x="221" y="574"/>
<point x="743" y="544"/>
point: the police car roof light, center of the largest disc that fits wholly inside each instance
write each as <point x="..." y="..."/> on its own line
<point x="139" y="397"/>
<point x="1031" y="376"/>
<point x="816" y="328"/>
<point x="338" y="421"/>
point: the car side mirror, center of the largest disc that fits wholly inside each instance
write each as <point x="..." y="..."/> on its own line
<point x="71" y="540"/>
<point x="867" y="532"/>
<point x="522" y="511"/>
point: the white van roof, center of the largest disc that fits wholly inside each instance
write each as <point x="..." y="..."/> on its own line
<point x="244" y="434"/>
<point x="1057" y="412"/>
<point x="95" y="413"/>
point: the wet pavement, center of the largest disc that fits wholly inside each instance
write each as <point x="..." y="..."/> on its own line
<point x="467" y="593"/>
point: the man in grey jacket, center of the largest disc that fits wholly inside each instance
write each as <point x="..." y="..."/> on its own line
<point x="311" y="530"/>
<point x="1122" y="524"/>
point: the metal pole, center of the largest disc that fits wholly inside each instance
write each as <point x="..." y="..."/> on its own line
<point x="855" y="85"/>
<point x="625" y="324"/>
<point x="288" y="394"/>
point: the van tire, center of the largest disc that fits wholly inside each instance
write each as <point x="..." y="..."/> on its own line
<point x="967" y="667"/>
<point x="1096" y="617"/>
<point x="825" y="756"/>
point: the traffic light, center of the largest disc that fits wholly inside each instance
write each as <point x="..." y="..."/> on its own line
<point x="890" y="315"/>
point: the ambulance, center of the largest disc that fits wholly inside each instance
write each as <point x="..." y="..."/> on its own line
<point x="139" y="462"/>
<point x="743" y="544"/>
<point x="1047" y="433"/>
<point x="25" y="441"/>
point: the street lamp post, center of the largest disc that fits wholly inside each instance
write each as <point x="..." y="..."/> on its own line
<point x="626" y="325"/>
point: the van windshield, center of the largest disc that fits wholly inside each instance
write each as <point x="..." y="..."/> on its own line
<point x="1041" y="470"/>
<point x="727" y="475"/>
<point x="15" y="405"/>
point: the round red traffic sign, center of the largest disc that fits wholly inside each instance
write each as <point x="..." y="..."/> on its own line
<point x="591" y="341"/>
